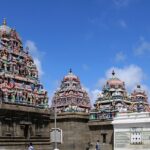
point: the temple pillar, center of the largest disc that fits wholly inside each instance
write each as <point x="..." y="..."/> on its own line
<point x="0" y="128"/>
<point x="14" y="129"/>
<point x="33" y="129"/>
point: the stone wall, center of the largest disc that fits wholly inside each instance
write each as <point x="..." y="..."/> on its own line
<point x="79" y="133"/>
<point x="102" y="131"/>
<point x="20" y="125"/>
<point x="75" y="130"/>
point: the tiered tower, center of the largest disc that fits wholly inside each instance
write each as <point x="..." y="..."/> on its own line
<point x="139" y="100"/>
<point x="71" y="97"/>
<point x="24" y="112"/>
<point x="19" y="82"/>
<point x="113" y="98"/>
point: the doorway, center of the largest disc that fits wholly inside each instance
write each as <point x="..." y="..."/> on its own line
<point x="26" y="132"/>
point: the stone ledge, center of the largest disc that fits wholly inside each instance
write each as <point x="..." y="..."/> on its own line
<point x="99" y="122"/>
<point x="24" y="108"/>
<point x="71" y="115"/>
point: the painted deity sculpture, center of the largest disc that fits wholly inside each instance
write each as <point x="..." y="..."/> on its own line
<point x="18" y="73"/>
<point x="71" y="97"/>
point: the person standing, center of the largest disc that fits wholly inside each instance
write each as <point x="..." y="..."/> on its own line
<point x="30" y="147"/>
<point x="97" y="145"/>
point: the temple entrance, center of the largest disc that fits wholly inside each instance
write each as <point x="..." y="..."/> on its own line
<point x="27" y="131"/>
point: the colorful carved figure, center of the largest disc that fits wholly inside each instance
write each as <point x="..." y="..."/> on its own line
<point x="21" y="75"/>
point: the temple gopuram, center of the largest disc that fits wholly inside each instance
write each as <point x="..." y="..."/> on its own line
<point x="73" y="106"/>
<point x="71" y="97"/>
<point x="114" y="98"/>
<point x="24" y="113"/>
<point x="139" y="100"/>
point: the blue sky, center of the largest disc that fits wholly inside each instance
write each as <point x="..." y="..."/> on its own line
<point x="90" y="36"/>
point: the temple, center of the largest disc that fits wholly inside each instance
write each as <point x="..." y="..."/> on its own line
<point x="24" y="114"/>
<point x="114" y="98"/>
<point x="71" y="96"/>
<point x="26" y="117"/>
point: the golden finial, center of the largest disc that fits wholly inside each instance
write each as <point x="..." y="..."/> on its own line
<point x="4" y="21"/>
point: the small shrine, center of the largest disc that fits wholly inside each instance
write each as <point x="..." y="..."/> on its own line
<point x="71" y="97"/>
<point x="139" y="100"/>
<point x="19" y="81"/>
<point x="112" y="99"/>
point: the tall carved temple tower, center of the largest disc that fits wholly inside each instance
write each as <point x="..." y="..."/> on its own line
<point x="73" y="107"/>
<point x="71" y="96"/>
<point x="24" y="113"/>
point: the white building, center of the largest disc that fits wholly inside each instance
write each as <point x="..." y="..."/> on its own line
<point x="132" y="131"/>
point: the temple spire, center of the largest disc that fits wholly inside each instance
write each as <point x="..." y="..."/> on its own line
<point x="4" y="22"/>
<point x="70" y="70"/>
<point x="113" y="73"/>
<point x="138" y="86"/>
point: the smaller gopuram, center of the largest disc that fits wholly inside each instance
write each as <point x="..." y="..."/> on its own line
<point x="113" y="98"/>
<point x="24" y="112"/>
<point x="73" y="105"/>
<point x="139" y="100"/>
<point x="71" y="97"/>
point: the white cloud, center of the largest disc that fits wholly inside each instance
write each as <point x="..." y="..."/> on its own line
<point x="38" y="65"/>
<point x="147" y="89"/>
<point x="93" y="94"/>
<point x="131" y="75"/>
<point x="36" y="54"/>
<point x="142" y="47"/>
<point x="120" y="56"/>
